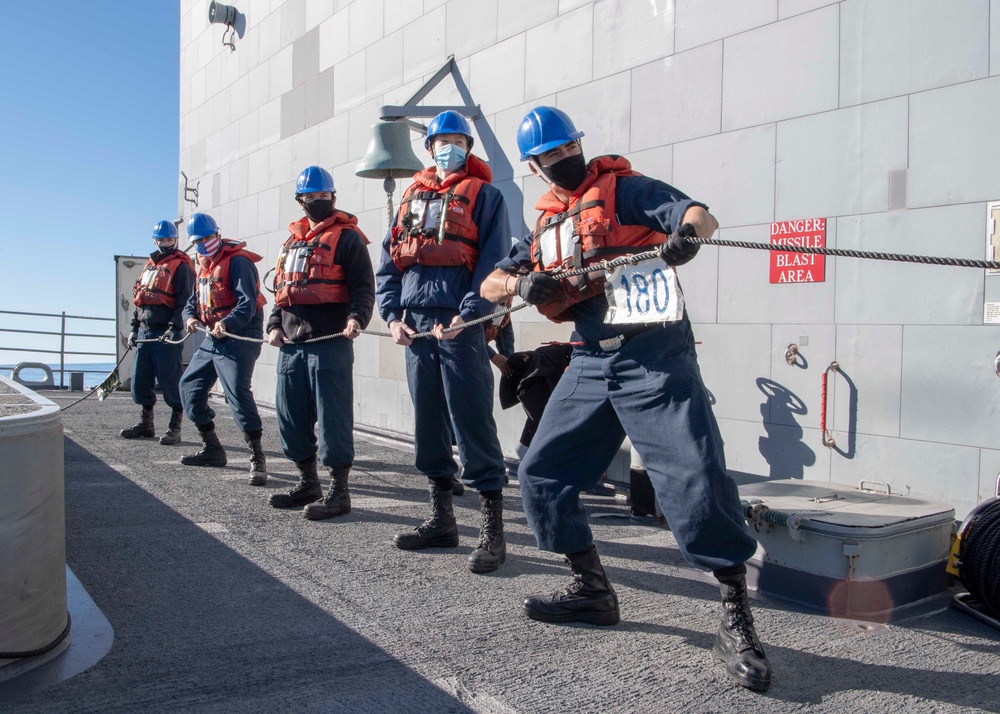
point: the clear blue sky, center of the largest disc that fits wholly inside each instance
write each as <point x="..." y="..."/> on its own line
<point x="88" y="150"/>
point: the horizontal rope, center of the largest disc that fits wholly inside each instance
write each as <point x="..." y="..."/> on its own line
<point x="846" y="253"/>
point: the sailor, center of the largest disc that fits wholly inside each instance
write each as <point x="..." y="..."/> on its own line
<point x="639" y="379"/>
<point x="159" y="296"/>
<point x="324" y="292"/>
<point x="451" y="229"/>
<point x="227" y="302"/>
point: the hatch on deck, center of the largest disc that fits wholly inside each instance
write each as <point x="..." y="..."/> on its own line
<point x="846" y="551"/>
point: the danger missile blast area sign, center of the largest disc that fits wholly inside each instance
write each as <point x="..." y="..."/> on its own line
<point x="798" y="267"/>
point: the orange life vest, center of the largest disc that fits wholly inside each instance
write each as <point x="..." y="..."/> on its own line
<point x="156" y="283"/>
<point x="305" y="273"/>
<point x="585" y="231"/>
<point x="421" y="236"/>
<point x="216" y="297"/>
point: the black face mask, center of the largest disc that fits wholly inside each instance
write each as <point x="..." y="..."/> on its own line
<point x="567" y="173"/>
<point x="167" y="249"/>
<point x="319" y="210"/>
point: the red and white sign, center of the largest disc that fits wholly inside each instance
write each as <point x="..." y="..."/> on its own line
<point x="798" y="267"/>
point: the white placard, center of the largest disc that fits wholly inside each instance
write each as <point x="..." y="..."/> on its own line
<point x="643" y="293"/>
<point x="991" y="313"/>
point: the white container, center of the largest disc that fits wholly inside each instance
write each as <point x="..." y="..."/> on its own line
<point x="849" y="552"/>
<point x="32" y="525"/>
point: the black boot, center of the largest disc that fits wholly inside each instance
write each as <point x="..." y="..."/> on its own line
<point x="258" y="462"/>
<point x="589" y="598"/>
<point x="173" y="435"/>
<point x="438" y="531"/>
<point x="737" y="644"/>
<point x="142" y="430"/>
<point x="492" y="550"/>
<point x="337" y="501"/>
<point x="306" y="492"/>
<point x="211" y="454"/>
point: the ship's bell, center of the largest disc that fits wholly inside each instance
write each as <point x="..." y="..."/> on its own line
<point x="389" y="156"/>
<point x="389" y="153"/>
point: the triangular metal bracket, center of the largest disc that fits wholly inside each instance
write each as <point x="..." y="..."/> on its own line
<point x="402" y="113"/>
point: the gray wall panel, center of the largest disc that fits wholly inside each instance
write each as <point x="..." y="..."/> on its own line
<point x="733" y="173"/>
<point x="547" y="69"/>
<point x="949" y="132"/>
<point x="497" y="75"/>
<point x="472" y="26"/>
<point x="293" y="20"/>
<point x="949" y="389"/>
<point x="516" y="16"/>
<point x="319" y="98"/>
<point x="699" y="23"/>
<point x="700" y="283"/>
<point x="989" y="472"/>
<point x="631" y="33"/>
<point x="994" y="37"/>
<point x="318" y="11"/>
<point x="425" y="44"/>
<point x="365" y="18"/>
<point x="657" y="118"/>
<point x="349" y="82"/>
<point x="305" y="57"/>
<point x="888" y="49"/>
<point x="732" y="359"/>
<point x="936" y="471"/>
<point x="384" y="64"/>
<point x="877" y="292"/>
<point x="398" y="13"/>
<point x="782" y="70"/>
<point x="838" y="163"/>
<point x="657" y="163"/>
<point x="334" y="40"/>
<point x="866" y="395"/>
<point x="268" y="124"/>
<point x="281" y="72"/>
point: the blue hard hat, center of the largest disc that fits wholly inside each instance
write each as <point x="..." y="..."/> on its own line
<point x="201" y="225"/>
<point x="164" y="230"/>
<point x="449" y="122"/>
<point x="314" y="179"/>
<point x="544" y="128"/>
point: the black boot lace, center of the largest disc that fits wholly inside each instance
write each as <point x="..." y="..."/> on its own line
<point x="739" y="620"/>
<point x="492" y="530"/>
<point x="438" y="520"/>
<point x="257" y="459"/>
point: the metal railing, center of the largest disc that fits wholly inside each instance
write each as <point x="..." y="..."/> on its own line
<point x="62" y="334"/>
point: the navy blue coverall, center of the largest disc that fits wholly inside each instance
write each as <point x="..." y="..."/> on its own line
<point x="451" y="376"/>
<point x="650" y="390"/>
<point x="316" y="381"/>
<point x="229" y="360"/>
<point x="158" y="361"/>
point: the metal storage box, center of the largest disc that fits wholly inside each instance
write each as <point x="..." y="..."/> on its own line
<point x="849" y="552"/>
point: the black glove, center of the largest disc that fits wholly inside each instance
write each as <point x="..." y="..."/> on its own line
<point x="678" y="250"/>
<point x="536" y="288"/>
<point x="133" y="337"/>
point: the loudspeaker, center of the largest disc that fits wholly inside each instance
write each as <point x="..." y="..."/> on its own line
<point x="219" y="14"/>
